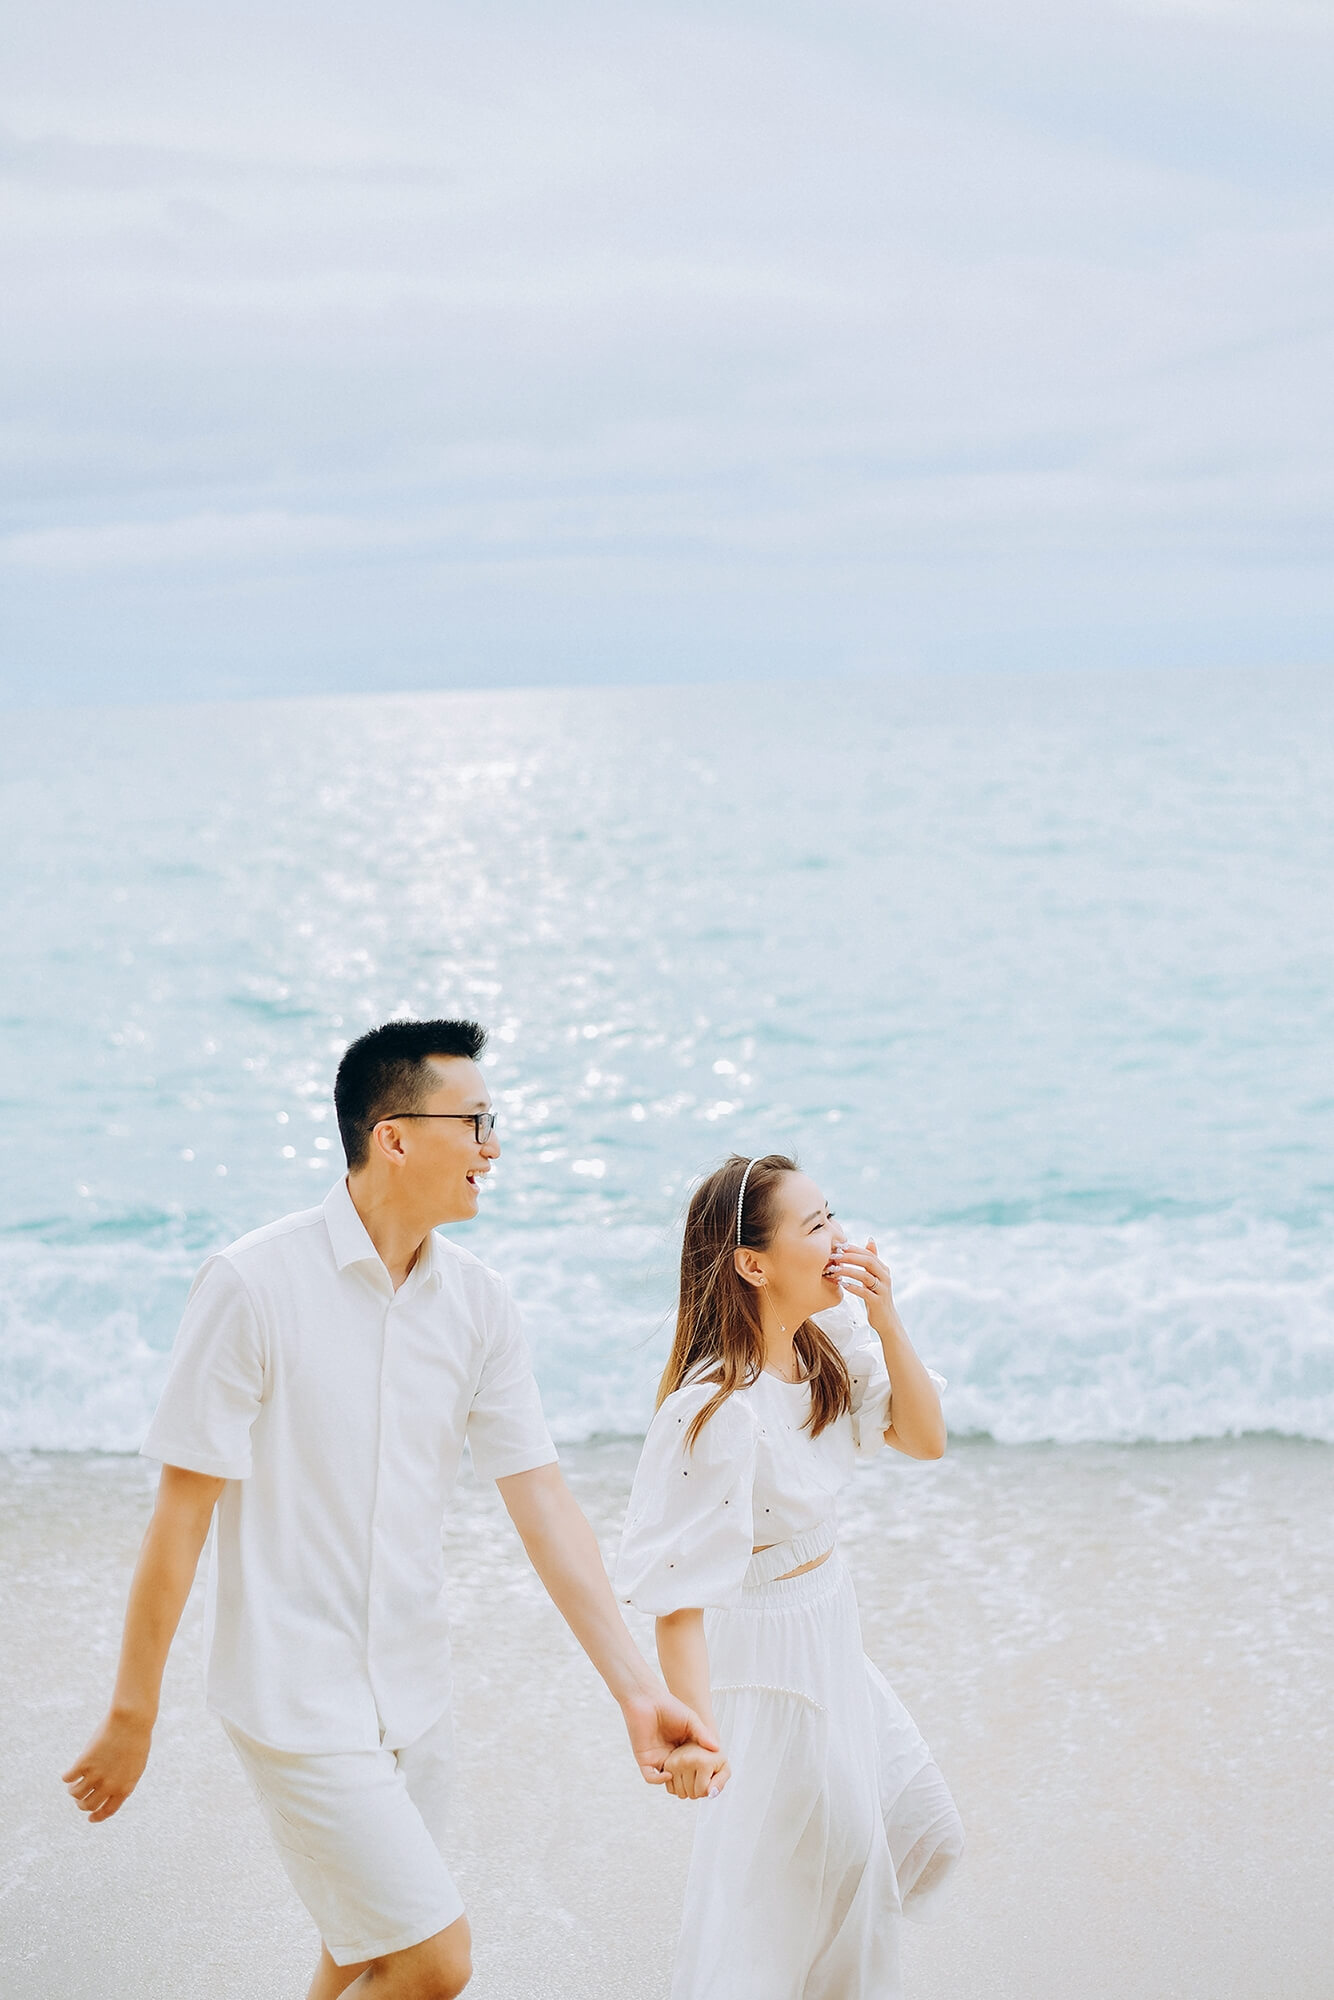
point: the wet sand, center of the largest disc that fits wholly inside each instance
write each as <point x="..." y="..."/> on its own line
<point x="1123" y="1658"/>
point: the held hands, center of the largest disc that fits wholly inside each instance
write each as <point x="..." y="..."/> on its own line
<point x="100" y="1781"/>
<point x="693" y="1773"/>
<point x="660" y="1726"/>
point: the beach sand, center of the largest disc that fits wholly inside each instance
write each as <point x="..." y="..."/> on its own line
<point x="1123" y="1658"/>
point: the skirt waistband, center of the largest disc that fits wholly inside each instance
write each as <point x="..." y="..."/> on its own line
<point x="772" y="1563"/>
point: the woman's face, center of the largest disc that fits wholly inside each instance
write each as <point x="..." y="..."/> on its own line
<point x="796" y="1263"/>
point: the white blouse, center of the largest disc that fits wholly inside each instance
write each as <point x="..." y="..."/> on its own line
<point x="756" y="1478"/>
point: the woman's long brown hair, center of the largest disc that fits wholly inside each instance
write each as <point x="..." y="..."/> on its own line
<point x="719" y="1336"/>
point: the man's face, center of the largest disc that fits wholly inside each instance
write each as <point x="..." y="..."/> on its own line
<point x="442" y="1162"/>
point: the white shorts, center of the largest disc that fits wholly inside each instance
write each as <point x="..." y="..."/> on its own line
<point x="361" y="1834"/>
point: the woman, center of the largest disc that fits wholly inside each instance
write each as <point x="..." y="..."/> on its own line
<point x="832" y="1821"/>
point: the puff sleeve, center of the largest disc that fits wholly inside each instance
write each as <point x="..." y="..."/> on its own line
<point x="859" y="1344"/>
<point x="688" y="1531"/>
<point x="860" y="1347"/>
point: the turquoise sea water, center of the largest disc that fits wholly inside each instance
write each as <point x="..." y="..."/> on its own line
<point x="1036" y="975"/>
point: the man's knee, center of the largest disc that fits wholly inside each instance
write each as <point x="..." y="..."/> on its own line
<point x="452" y="1966"/>
<point x="444" y="1982"/>
<point x="436" y="1970"/>
<point x="440" y="1983"/>
<point x="447" y="1981"/>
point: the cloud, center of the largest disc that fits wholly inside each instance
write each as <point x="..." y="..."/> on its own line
<point x="447" y="347"/>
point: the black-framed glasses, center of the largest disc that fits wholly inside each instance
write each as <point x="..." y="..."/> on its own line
<point x="483" y="1122"/>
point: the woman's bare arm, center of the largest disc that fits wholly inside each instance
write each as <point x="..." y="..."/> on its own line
<point x="917" y="1422"/>
<point x="683" y="1655"/>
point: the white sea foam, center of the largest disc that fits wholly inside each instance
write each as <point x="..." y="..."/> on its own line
<point x="84" y="1335"/>
<point x="1150" y="1330"/>
<point x="1154" y="1329"/>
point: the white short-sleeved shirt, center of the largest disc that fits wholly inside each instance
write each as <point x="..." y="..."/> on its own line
<point x="337" y="1410"/>
<point x="754" y="1478"/>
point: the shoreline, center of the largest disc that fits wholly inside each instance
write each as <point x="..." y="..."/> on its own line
<point x="1122" y="1656"/>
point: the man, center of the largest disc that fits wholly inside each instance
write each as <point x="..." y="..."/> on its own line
<point x="327" y="1371"/>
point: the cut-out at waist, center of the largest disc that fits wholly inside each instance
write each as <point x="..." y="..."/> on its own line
<point x="802" y="1568"/>
<point x="776" y="1562"/>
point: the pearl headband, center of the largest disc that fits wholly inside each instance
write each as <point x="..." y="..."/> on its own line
<point x="740" y="1199"/>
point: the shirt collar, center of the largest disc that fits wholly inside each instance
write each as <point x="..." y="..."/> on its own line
<point x="352" y="1244"/>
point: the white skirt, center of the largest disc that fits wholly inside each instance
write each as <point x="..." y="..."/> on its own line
<point x="835" y="1823"/>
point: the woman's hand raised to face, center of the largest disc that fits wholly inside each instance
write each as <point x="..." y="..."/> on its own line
<point x="918" y="1426"/>
<point x="862" y="1272"/>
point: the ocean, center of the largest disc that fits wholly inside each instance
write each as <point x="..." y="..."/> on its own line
<point x="1036" y="975"/>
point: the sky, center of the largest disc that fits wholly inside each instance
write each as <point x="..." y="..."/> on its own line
<point x="484" y="345"/>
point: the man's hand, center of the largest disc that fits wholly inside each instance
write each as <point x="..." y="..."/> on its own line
<point x="100" y="1781"/>
<point x="659" y="1724"/>
<point x="693" y="1773"/>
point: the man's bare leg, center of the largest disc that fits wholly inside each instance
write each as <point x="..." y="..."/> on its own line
<point x="439" y="1969"/>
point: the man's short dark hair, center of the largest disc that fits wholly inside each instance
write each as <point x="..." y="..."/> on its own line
<point x="386" y="1070"/>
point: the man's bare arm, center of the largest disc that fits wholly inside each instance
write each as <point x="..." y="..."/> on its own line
<point x="102" y="1779"/>
<point x="563" y="1550"/>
